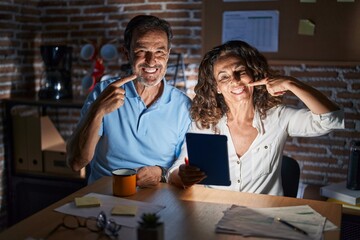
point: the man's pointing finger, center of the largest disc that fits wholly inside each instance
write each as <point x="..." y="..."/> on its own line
<point x="122" y="81"/>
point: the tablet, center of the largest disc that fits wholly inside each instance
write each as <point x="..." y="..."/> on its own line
<point x="209" y="153"/>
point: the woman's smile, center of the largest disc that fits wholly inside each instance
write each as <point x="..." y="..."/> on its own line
<point x="238" y="90"/>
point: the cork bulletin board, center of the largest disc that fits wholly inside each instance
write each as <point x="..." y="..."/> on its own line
<point x="336" y="33"/>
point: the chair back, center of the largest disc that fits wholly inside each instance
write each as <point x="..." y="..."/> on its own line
<point x="290" y="174"/>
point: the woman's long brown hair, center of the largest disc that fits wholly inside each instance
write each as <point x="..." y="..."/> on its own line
<point x="208" y="106"/>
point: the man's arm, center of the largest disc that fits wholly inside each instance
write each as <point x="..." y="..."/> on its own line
<point x="81" y="145"/>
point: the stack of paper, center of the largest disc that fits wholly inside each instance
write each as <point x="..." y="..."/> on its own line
<point x="260" y="222"/>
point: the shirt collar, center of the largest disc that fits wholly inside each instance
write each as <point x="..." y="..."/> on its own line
<point x="132" y="93"/>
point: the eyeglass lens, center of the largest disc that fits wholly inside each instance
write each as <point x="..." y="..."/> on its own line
<point x="72" y="222"/>
<point x="91" y="224"/>
<point x="110" y="227"/>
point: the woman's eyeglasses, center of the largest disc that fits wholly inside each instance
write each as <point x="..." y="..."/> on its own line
<point x="94" y="224"/>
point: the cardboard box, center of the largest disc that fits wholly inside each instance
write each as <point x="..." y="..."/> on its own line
<point x="55" y="162"/>
<point x="39" y="147"/>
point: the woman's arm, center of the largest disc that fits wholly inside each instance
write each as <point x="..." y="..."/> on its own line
<point x="315" y="100"/>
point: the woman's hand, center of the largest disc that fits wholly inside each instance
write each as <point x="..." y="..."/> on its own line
<point x="275" y="86"/>
<point x="190" y="175"/>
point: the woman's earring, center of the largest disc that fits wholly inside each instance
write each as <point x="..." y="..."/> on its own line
<point x="218" y="92"/>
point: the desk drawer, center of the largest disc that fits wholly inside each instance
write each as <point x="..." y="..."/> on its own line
<point x="350" y="227"/>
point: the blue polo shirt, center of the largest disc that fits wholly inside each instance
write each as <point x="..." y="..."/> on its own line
<point x="134" y="136"/>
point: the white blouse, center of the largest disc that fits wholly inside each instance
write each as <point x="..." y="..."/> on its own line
<point x="259" y="169"/>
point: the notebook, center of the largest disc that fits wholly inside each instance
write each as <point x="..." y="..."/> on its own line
<point x="209" y="153"/>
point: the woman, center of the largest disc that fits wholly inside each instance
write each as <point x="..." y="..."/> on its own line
<point x="239" y="96"/>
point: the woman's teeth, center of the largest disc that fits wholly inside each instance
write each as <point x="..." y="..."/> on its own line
<point x="238" y="90"/>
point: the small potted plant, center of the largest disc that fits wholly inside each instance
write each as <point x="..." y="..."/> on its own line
<point x="150" y="228"/>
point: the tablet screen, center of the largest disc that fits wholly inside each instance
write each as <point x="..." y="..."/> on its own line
<point x="209" y="153"/>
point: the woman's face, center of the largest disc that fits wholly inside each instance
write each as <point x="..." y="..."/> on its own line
<point x="232" y="77"/>
<point x="149" y="55"/>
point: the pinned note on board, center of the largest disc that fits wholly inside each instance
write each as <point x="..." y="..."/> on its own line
<point x="306" y="27"/>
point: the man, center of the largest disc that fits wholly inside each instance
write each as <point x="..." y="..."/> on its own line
<point x="138" y="121"/>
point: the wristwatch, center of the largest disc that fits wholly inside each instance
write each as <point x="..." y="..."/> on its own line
<point x="163" y="174"/>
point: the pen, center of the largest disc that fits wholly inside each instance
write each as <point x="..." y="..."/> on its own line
<point x="186" y="161"/>
<point x="291" y="226"/>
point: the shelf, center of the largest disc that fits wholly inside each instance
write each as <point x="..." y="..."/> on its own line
<point x="29" y="191"/>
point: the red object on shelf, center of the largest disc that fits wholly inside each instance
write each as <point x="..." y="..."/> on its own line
<point x="98" y="70"/>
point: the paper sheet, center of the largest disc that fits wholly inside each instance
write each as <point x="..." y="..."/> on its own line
<point x="107" y="203"/>
<point x="258" y="28"/>
<point x="260" y="222"/>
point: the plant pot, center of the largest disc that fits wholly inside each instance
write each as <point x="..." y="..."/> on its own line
<point x="151" y="233"/>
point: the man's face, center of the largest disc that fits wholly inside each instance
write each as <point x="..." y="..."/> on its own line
<point x="149" y="53"/>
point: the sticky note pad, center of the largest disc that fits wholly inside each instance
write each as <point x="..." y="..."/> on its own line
<point x="124" y="210"/>
<point x="87" y="202"/>
<point x="306" y="27"/>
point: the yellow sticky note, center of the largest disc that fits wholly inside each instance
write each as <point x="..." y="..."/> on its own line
<point x="124" y="210"/>
<point x="87" y="202"/>
<point x="306" y="27"/>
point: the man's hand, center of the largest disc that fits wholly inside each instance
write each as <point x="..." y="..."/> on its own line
<point x="113" y="96"/>
<point x="148" y="176"/>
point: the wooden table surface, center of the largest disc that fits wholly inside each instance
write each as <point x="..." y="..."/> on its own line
<point x="189" y="214"/>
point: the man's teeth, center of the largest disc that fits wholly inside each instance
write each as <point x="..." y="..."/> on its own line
<point x="150" y="70"/>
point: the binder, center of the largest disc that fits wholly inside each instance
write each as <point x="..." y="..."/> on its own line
<point x="20" y="143"/>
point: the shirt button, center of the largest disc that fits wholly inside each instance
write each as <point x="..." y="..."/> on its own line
<point x="238" y="181"/>
<point x="238" y="162"/>
<point x="266" y="147"/>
